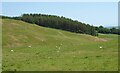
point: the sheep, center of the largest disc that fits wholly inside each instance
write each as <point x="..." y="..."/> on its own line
<point x="101" y="47"/>
<point x="29" y="46"/>
<point x="11" y="50"/>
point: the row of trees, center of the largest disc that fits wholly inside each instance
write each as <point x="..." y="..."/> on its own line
<point x="63" y="23"/>
<point x="58" y="22"/>
<point x="103" y="30"/>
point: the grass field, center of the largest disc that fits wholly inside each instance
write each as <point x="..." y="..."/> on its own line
<point x="0" y="45"/>
<point x="28" y="47"/>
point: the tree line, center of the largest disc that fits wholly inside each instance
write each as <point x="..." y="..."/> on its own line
<point x="62" y="23"/>
<point x="104" y="30"/>
<point x="59" y="22"/>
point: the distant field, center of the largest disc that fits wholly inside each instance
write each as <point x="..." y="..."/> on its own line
<point x="28" y="47"/>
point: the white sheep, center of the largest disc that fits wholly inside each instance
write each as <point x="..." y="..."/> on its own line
<point x="100" y="47"/>
<point x="29" y="46"/>
<point x="11" y="50"/>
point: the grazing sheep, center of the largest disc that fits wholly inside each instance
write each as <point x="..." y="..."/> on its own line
<point x="29" y="46"/>
<point x="101" y="47"/>
<point x="11" y="50"/>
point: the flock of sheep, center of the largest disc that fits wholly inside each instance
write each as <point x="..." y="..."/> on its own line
<point x="56" y="47"/>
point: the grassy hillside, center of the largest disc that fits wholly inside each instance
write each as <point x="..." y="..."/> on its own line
<point x="0" y="45"/>
<point x="31" y="47"/>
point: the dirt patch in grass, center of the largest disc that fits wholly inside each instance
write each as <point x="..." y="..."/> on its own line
<point x="100" y="39"/>
<point x="15" y="42"/>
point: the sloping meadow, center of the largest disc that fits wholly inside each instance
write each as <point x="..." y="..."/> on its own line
<point x="28" y="47"/>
